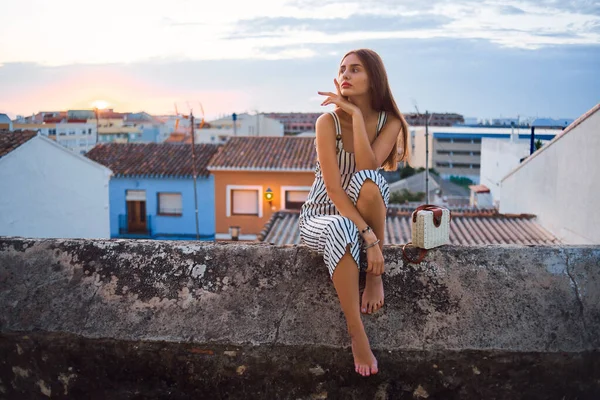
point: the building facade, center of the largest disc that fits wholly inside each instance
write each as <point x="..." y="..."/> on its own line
<point x="49" y="191"/>
<point x="152" y="190"/>
<point x="257" y="176"/>
<point x="559" y="183"/>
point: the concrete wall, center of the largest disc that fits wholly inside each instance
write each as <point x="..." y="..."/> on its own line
<point x="559" y="184"/>
<point x="49" y="191"/>
<point x="110" y="318"/>
<point x="107" y="319"/>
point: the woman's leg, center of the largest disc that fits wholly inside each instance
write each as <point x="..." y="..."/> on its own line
<point x="372" y="208"/>
<point x="345" y="280"/>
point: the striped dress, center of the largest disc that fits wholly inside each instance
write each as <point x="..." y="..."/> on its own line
<point x="322" y="228"/>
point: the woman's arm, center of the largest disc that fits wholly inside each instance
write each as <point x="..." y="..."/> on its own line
<point x="371" y="156"/>
<point x="326" y="145"/>
<point x="363" y="153"/>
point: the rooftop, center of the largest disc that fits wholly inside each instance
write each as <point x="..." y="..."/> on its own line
<point x="416" y="183"/>
<point x="468" y="227"/>
<point x="11" y="140"/>
<point x="286" y="153"/>
<point x="152" y="159"/>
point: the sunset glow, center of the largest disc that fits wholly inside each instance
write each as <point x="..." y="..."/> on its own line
<point x="100" y="104"/>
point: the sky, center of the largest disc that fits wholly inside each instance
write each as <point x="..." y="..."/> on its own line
<point x="485" y="59"/>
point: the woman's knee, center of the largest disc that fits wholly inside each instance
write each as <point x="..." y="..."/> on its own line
<point x="369" y="194"/>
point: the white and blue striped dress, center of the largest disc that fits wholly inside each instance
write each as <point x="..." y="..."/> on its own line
<point x="322" y="228"/>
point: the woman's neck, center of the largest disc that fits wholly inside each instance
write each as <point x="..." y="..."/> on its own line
<point x="364" y="104"/>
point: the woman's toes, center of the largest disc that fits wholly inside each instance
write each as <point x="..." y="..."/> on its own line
<point x="374" y="369"/>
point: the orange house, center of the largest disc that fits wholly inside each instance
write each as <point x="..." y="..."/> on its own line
<point x="256" y="177"/>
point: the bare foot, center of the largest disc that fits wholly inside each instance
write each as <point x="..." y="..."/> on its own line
<point x="365" y="362"/>
<point x="372" y="298"/>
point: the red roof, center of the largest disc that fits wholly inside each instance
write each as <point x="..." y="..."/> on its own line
<point x="153" y="159"/>
<point x="465" y="229"/>
<point x="287" y="153"/>
<point x="11" y="140"/>
<point x="479" y="188"/>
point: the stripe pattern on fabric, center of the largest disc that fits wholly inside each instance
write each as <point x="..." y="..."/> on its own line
<point x="322" y="228"/>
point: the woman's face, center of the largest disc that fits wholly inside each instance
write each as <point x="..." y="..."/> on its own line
<point x="352" y="76"/>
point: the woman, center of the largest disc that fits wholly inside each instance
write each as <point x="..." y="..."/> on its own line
<point x="346" y="207"/>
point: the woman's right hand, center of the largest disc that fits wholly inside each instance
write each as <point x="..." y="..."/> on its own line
<point x="375" y="262"/>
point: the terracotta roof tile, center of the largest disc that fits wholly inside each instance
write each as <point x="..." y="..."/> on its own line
<point x="11" y="140"/>
<point x="285" y="153"/>
<point x="153" y="159"/>
<point x="465" y="229"/>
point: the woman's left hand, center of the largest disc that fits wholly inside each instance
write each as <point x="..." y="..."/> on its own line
<point x="339" y="100"/>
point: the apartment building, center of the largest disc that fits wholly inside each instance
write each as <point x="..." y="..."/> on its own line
<point x="295" y="123"/>
<point x="456" y="150"/>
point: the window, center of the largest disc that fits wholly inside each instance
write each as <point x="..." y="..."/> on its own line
<point x="244" y="200"/>
<point x="442" y="164"/>
<point x="292" y="197"/>
<point x="83" y="131"/>
<point x="170" y="204"/>
<point x="89" y="131"/>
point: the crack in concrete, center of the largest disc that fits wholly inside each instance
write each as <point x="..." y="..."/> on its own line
<point x="289" y="300"/>
<point x="578" y="296"/>
<point x="89" y="305"/>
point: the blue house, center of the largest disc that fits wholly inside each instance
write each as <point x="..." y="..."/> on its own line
<point x="151" y="191"/>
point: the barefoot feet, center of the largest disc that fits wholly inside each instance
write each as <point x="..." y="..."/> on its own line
<point x="365" y="362"/>
<point x="372" y="298"/>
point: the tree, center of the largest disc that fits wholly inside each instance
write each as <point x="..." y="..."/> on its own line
<point x="461" y="181"/>
<point x="404" y="195"/>
<point x="538" y="144"/>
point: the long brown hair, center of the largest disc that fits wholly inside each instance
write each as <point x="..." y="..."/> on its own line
<point x="382" y="100"/>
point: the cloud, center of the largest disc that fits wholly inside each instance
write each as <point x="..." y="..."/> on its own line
<point x="510" y="10"/>
<point x="353" y="23"/>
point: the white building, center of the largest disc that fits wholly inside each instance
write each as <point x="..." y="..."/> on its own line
<point x="498" y="158"/>
<point x="456" y="150"/>
<point x="246" y="125"/>
<point x="77" y="136"/>
<point x="559" y="183"/>
<point x="50" y="191"/>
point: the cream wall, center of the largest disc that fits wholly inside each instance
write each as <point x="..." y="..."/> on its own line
<point x="561" y="185"/>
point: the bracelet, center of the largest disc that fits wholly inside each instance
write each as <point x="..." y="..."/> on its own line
<point x="367" y="229"/>
<point x="372" y="244"/>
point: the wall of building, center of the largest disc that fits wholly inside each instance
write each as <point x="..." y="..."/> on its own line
<point x="559" y="184"/>
<point x="252" y="225"/>
<point x="48" y="191"/>
<point x="175" y="227"/>
<point x="498" y="158"/>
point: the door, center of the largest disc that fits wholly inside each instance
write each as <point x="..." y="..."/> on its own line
<point x="136" y="216"/>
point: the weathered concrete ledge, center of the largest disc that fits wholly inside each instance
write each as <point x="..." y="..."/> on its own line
<point x="538" y="307"/>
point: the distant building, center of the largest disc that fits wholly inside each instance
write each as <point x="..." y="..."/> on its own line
<point x="5" y="123"/>
<point x="456" y="151"/>
<point x="559" y="182"/>
<point x="295" y="123"/>
<point x="246" y="125"/>
<point x="79" y="137"/>
<point x="49" y="191"/>
<point x="441" y="192"/>
<point x="435" y="119"/>
<point x="552" y="123"/>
